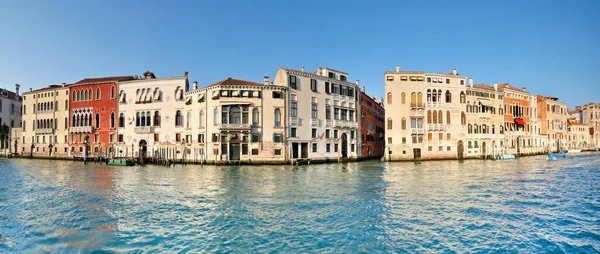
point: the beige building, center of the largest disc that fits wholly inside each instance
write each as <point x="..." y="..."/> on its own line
<point x="322" y="110"/>
<point x="485" y="121"/>
<point x="579" y="136"/>
<point x="236" y="121"/>
<point x="425" y="115"/>
<point x="10" y="115"/>
<point x="553" y="116"/>
<point x="590" y="114"/>
<point x="45" y="125"/>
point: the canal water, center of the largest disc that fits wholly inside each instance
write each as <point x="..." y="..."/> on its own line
<point x="526" y="205"/>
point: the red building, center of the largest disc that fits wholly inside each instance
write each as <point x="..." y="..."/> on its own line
<point x="93" y="105"/>
<point x="372" y="126"/>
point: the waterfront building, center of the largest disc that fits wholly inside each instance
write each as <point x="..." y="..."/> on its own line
<point x="590" y="114"/>
<point x="579" y="136"/>
<point x="235" y="120"/>
<point x="321" y="121"/>
<point x="372" y="126"/>
<point x="485" y="120"/>
<point x="517" y="119"/>
<point x="151" y="116"/>
<point x="93" y="114"/>
<point x="539" y="140"/>
<point x="433" y="127"/>
<point x="45" y="125"/>
<point x="553" y="116"/>
<point x="10" y="114"/>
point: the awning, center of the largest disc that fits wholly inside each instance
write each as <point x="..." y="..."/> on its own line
<point x="519" y="121"/>
<point x="486" y="103"/>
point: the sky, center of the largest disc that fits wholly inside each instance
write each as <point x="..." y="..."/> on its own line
<point x="551" y="47"/>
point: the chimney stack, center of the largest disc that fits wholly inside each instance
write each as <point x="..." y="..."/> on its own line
<point x="302" y="68"/>
<point x="17" y="86"/>
<point x="30" y="89"/>
<point x="524" y="89"/>
<point x="185" y="74"/>
<point x="357" y="82"/>
<point x="454" y="72"/>
<point x="266" y="80"/>
<point x="363" y="89"/>
<point x="470" y="82"/>
<point x="397" y="68"/>
<point x="495" y="86"/>
<point x="195" y="85"/>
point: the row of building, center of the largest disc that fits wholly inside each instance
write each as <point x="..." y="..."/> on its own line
<point x="317" y="115"/>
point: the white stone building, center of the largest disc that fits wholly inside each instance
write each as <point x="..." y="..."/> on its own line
<point x="485" y="121"/>
<point x="322" y="110"/>
<point x="151" y="117"/>
<point x="45" y="123"/>
<point x="10" y="114"/>
<point x="425" y="115"/>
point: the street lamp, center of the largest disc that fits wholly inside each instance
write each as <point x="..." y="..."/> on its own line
<point x="85" y="150"/>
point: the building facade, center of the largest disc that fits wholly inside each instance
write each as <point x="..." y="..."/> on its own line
<point x="553" y="116"/>
<point x="579" y="136"/>
<point x="151" y="117"/>
<point x="93" y="115"/>
<point x="517" y="120"/>
<point x="485" y="121"/>
<point x="45" y="124"/>
<point x="590" y="114"/>
<point x="10" y="115"/>
<point x="372" y="126"/>
<point x="236" y="120"/>
<point x="425" y="115"/>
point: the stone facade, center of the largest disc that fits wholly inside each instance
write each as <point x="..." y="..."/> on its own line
<point x="485" y="121"/>
<point x="372" y="126"/>
<point x="425" y="115"/>
<point x="579" y="136"/>
<point x="553" y="120"/>
<point x="10" y="115"/>
<point x="590" y="114"/>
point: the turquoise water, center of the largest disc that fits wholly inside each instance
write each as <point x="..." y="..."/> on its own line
<point x="527" y="205"/>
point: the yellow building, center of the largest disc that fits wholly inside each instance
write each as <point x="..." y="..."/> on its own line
<point x="485" y="120"/>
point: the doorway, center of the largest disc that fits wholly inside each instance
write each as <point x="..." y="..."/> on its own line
<point x="483" y="150"/>
<point x="344" y="146"/>
<point x="234" y="149"/>
<point x="461" y="150"/>
<point x="416" y="153"/>
<point x="304" y="150"/>
<point x="294" y="150"/>
<point x="143" y="148"/>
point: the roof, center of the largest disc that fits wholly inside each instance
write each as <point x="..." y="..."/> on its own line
<point x="104" y="79"/>
<point x="579" y="124"/>
<point x="483" y="86"/>
<point x="231" y="82"/>
<point x="10" y="95"/>
<point x="50" y="87"/>
<point x="508" y="86"/>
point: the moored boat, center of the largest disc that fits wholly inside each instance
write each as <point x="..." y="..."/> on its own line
<point x="508" y="157"/>
<point x="574" y="151"/>
<point x="556" y="156"/>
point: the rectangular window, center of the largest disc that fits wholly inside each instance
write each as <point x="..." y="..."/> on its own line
<point x="178" y="137"/>
<point x="254" y="151"/>
<point x="120" y="138"/>
<point x="244" y="149"/>
<point x="293" y="132"/>
<point x="441" y="148"/>
<point x="256" y="137"/>
<point x="313" y="85"/>
<point x="328" y="148"/>
<point x="223" y="148"/>
<point x="293" y="82"/>
<point x="314" y="147"/>
<point x="429" y="137"/>
<point x="351" y="115"/>
<point x="277" y="152"/>
<point x="327" y="112"/>
<point x="430" y="148"/>
<point x="351" y="134"/>
<point x="448" y="148"/>
<point x="327" y="133"/>
<point x="447" y="81"/>
<point x="111" y="138"/>
<point x="294" y="111"/>
<point x="327" y="87"/>
<point x="448" y="136"/>
<point x="277" y="138"/>
<point x="335" y="148"/>
<point x="390" y="140"/>
<point x="314" y="112"/>
<point x="335" y="133"/>
<point x="441" y="137"/>
<point x="389" y="78"/>
<point x="277" y="95"/>
<point x="403" y="140"/>
<point x="352" y="148"/>
<point x="336" y="113"/>
<point x="314" y="133"/>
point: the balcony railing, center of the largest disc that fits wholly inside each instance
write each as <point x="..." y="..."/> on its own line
<point x="417" y="131"/>
<point x="294" y="121"/>
<point x="328" y="123"/>
<point x="417" y="106"/>
<point x="315" y="122"/>
<point x="437" y="127"/>
<point x="81" y="129"/>
<point x="235" y="126"/>
<point x="434" y="104"/>
<point x="344" y="124"/>
<point x="43" y="131"/>
<point x="144" y="129"/>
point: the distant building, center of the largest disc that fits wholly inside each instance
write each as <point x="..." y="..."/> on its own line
<point x="579" y="136"/>
<point x="485" y="121"/>
<point x="517" y="120"/>
<point x="590" y="114"/>
<point x="10" y="114"/>
<point x="372" y="126"/>
<point x="433" y="127"/>
<point x="553" y="116"/>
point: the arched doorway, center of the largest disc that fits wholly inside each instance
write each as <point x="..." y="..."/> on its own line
<point x="460" y="150"/>
<point x="483" y="150"/>
<point x="234" y="148"/>
<point x="50" y="149"/>
<point x="143" y="146"/>
<point x="16" y="146"/>
<point x="344" y="146"/>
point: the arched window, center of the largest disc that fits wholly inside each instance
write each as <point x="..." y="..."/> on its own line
<point x="420" y="99"/>
<point x="66" y="104"/>
<point x="121" y="120"/>
<point x="448" y="96"/>
<point x="501" y="129"/>
<point x="137" y="119"/>
<point x="112" y="120"/>
<point x="429" y="116"/>
<point x="74" y="121"/>
<point x="475" y="129"/>
<point x="75" y="94"/>
<point x="389" y="123"/>
<point x="434" y="96"/>
<point x="112" y="92"/>
<point x="156" y="119"/>
<point x="468" y="106"/>
<point x="97" y="94"/>
<point x="403" y="97"/>
<point x="413" y="99"/>
<point x="255" y="117"/>
<point x="434" y="117"/>
<point x="428" y="95"/>
<point x="493" y="129"/>
<point x="440" y="117"/>
<point x="403" y="123"/>
<point x="97" y="120"/>
<point x="189" y="120"/>
<point x="66" y="123"/>
<point x="463" y="99"/>
<point x="235" y="116"/>
<point x="389" y="98"/>
<point x="201" y="119"/>
<point x="463" y="118"/>
<point x="143" y="119"/>
<point x="216" y="116"/>
<point x="448" y="117"/>
<point x="469" y="129"/>
<point x="277" y="116"/>
<point x="439" y="95"/>
<point x="178" y="118"/>
<point x="148" y="119"/>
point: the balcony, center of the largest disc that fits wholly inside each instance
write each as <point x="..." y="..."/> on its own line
<point x="328" y="123"/>
<point x="235" y="126"/>
<point x="417" y="131"/>
<point x="434" y="104"/>
<point x="43" y="131"/>
<point x="294" y="121"/>
<point x="344" y="124"/>
<point x="144" y="129"/>
<point x="436" y="127"/>
<point x="417" y="106"/>
<point x="81" y="129"/>
<point x="315" y="122"/>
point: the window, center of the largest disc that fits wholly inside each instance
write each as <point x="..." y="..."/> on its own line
<point x="188" y="122"/>
<point x="313" y="85"/>
<point x="277" y="117"/>
<point x="462" y="97"/>
<point x="335" y="133"/>
<point x="314" y="133"/>
<point x="178" y="137"/>
<point x="327" y="112"/>
<point x="314" y="147"/>
<point x="112" y="120"/>
<point x="97" y="120"/>
<point x="389" y="78"/>
<point x="314" y="112"/>
<point x="327" y="133"/>
<point x="328" y="148"/>
<point x="112" y="92"/>
<point x="293" y="132"/>
<point x="277" y="152"/>
<point x="389" y="123"/>
<point x="156" y="119"/>
<point x="335" y="148"/>
<point x="327" y="87"/>
<point x="216" y="116"/>
<point x="293" y="83"/>
<point x="403" y="123"/>
<point x="97" y="94"/>
<point x="463" y="118"/>
<point x="255" y="137"/>
<point x="178" y="119"/>
<point x="448" y="96"/>
<point x="294" y="111"/>
<point x="277" y="138"/>
<point x="277" y="95"/>
<point x="447" y="117"/>
<point x="389" y="98"/>
<point x="402" y="98"/>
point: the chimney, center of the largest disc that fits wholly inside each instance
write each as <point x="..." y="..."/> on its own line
<point x="495" y="86"/>
<point x="195" y="85"/>
<point x="266" y="80"/>
<point x="363" y="89"/>
<point x="30" y="89"/>
<point x="357" y="82"/>
<point x="185" y="74"/>
<point x="302" y="68"/>
<point x="470" y="82"/>
<point x="17" y="86"/>
<point x="397" y="68"/>
<point x="524" y="89"/>
<point x="454" y="72"/>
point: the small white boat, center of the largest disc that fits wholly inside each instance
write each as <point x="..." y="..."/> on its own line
<point x="508" y="157"/>
<point x="574" y="151"/>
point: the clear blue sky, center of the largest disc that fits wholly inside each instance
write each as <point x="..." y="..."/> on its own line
<point x="550" y="47"/>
